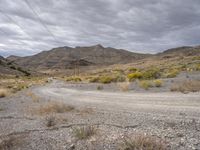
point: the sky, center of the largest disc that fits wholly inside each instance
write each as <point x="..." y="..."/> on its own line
<point x="145" y="26"/>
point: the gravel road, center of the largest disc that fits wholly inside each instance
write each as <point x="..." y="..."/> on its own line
<point x="173" y="117"/>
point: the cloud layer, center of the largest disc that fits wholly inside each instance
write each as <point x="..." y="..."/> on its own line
<point x="145" y="26"/>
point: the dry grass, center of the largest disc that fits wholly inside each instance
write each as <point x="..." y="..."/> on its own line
<point x="142" y="142"/>
<point x="123" y="86"/>
<point x="84" y="132"/>
<point x="186" y="86"/>
<point x="34" y="98"/>
<point x="11" y="142"/>
<point x="3" y="93"/>
<point x="54" y="107"/>
<point x="50" y="121"/>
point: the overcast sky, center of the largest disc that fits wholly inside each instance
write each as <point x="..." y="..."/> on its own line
<point x="146" y="26"/>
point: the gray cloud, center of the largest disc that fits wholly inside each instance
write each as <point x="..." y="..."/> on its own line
<point x="146" y="26"/>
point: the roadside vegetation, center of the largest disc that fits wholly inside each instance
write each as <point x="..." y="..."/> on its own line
<point x="13" y="84"/>
<point x="84" y="132"/>
<point x="142" y="142"/>
<point x="53" y="107"/>
<point x="186" y="86"/>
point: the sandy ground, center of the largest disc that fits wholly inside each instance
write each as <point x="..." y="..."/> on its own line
<point x="173" y="117"/>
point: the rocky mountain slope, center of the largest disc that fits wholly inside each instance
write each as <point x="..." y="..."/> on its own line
<point x="11" y="68"/>
<point x="66" y="57"/>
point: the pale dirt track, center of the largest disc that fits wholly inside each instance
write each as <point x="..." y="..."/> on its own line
<point x="165" y="103"/>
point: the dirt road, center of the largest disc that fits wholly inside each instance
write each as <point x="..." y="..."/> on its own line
<point x="173" y="117"/>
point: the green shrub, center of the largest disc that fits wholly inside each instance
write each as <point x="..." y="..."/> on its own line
<point x="132" y="69"/>
<point x="172" y="73"/>
<point x="158" y="83"/>
<point x="94" y="79"/>
<point x="151" y="74"/>
<point x="133" y="76"/>
<point x="105" y="79"/>
<point x="75" y="79"/>
<point x="119" y="78"/>
<point x="145" y="84"/>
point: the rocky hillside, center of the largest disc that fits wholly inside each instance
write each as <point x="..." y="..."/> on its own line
<point x="10" y="68"/>
<point x="181" y="51"/>
<point x="66" y="57"/>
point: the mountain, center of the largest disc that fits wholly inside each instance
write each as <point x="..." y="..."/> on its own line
<point x="181" y="51"/>
<point x="10" y="68"/>
<point x="67" y="57"/>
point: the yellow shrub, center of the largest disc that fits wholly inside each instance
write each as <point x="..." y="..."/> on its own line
<point x="75" y="79"/>
<point x="172" y="73"/>
<point x="158" y="83"/>
<point x="132" y="69"/>
<point x="105" y="79"/>
<point x="145" y="84"/>
<point x="133" y="76"/>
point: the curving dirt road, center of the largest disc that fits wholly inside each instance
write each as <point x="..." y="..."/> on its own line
<point x="165" y="103"/>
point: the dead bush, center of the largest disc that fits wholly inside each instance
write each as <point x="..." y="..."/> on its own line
<point x="3" y="93"/>
<point x="84" y="132"/>
<point x="142" y="142"/>
<point x="123" y="86"/>
<point x="54" y="107"/>
<point x="186" y="86"/>
<point x="50" y="121"/>
<point x="10" y="142"/>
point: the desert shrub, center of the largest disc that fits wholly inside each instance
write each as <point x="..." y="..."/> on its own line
<point x="197" y="67"/>
<point x="151" y="74"/>
<point x="142" y="142"/>
<point x="172" y="73"/>
<point x="99" y="87"/>
<point x="13" y="67"/>
<point x="135" y="75"/>
<point x="54" y="107"/>
<point x="123" y="86"/>
<point x="84" y="132"/>
<point x="145" y="84"/>
<point x="3" y="93"/>
<point x="119" y="78"/>
<point x="74" y="79"/>
<point x="186" y="86"/>
<point x="158" y="83"/>
<point x="94" y="79"/>
<point x="105" y="79"/>
<point x="132" y="69"/>
<point x="50" y="121"/>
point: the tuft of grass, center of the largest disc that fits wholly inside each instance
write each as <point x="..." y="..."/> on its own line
<point x="99" y="87"/>
<point x="54" y="107"/>
<point x="74" y="79"/>
<point x="142" y="142"/>
<point x="33" y="96"/>
<point x="84" y="132"/>
<point x="186" y="86"/>
<point x="123" y="86"/>
<point x="10" y="142"/>
<point x="3" y="93"/>
<point x="50" y="121"/>
<point x="145" y="84"/>
<point x="158" y="83"/>
<point x="135" y="75"/>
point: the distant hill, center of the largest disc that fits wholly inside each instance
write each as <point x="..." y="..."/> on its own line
<point x="181" y="51"/>
<point x="66" y="57"/>
<point x="10" y="68"/>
